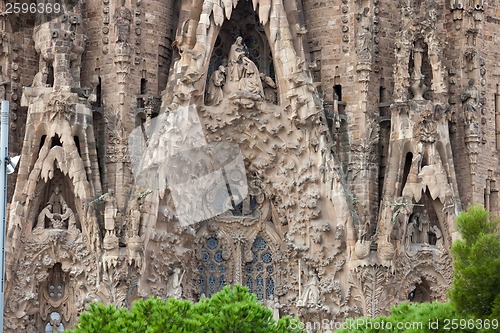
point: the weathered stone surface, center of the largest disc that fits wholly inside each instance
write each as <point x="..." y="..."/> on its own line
<point x="316" y="151"/>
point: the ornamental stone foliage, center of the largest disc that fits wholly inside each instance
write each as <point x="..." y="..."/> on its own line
<point x="317" y="152"/>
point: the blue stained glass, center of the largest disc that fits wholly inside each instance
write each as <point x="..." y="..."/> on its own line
<point x="269" y="287"/>
<point x="260" y="268"/>
<point x="249" y="284"/>
<point x="255" y="258"/>
<point x="248" y="269"/>
<point x="212" y="243"/>
<point x="218" y="256"/>
<point x="270" y="269"/>
<point x="267" y="258"/>
<point x="201" y="269"/>
<point x="205" y="256"/>
<point x="259" y="244"/>
<point x="259" y="282"/>
<point x="222" y="269"/>
<point x="211" y="268"/>
<point x="222" y="282"/>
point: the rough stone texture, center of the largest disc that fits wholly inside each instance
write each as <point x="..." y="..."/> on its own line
<point x="363" y="127"/>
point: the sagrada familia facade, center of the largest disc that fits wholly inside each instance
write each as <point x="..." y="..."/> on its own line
<point x="317" y="152"/>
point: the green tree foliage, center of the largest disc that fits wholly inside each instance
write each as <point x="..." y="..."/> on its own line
<point x="476" y="280"/>
<point x="421" y="317"/>
<point x="230" y="310"/>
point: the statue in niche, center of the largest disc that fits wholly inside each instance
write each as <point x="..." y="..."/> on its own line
<point x="123" y="18"/>
<point x="470" y="97"/>
<point x="234" y="63"/>
<point x="110" y="213"/>
<point x="439" y="236"/>
<point x="424" y="227"/>
<point x="3" y="82"/>
<point x="310" y="295"/>
<point x="174" y="287"/>
<point x="41" y="78"/>
<point x="214" y="91"/>
<point x="364" y="39"/>
<point x="411" y="234"/>
<point x="269" y="88"/>
<point x="58" y="213"/>
<point x="243" y="70"/>
<point x="57" y="201"/>
<point x="45" y="213"/>
<point x="418" y="87"/>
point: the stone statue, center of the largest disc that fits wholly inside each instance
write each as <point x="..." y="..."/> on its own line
<point x="214" y="91"/>
<point x="418" y="52"/>
<point x="424" y="226"/>
<point x="110" y="213"/>
<point x="57" y="201"/>
<point x="234" y="61"/>
<point x="439" y="236"/>
<point x="275" y="306"/>
<point x="174" y="287"/>
<point x="243" y="71"/>
<point x="364" y="39"/>
<point x="411" y="236"/>
<point x="250" y="80"/>
<point x="122" y="18"/>
<point x="45" y="213"/>
<point x="310" y="294"/>
<point x="269" y="88"/>
<point x="470" y="103"/>
<point x="3" y="82"/>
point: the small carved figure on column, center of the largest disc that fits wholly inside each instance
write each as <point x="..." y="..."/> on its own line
<point x="214" y="91"/>
<point x="470" y="103"/>
<point x="122" y="18"/>
<point x="364" y="39"/>
<point x="110" y="213"/>
<point x="3" y="82"/>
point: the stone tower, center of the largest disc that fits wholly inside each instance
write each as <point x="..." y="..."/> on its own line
<point x="317" y="152"/>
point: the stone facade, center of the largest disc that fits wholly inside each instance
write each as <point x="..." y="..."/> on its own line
<point x="316" y="151"/>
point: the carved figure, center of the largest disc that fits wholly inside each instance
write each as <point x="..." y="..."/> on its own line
<point x="214" y="91"/>
<point x="411" y="236"/>
<point x="45" y="213"/>
<point x="439" y="236"/>
<point x="250" y="80"/>
<point x="269" y="88"/>
<point x="234" y="61"/>
<point x="364" y="39"/>
<point x="3" y="82"/>
<point x="57" y="201"/>
<point x="122" y="18"/>
<point x="424" y="226"/>
<point x="470" y="103"/>
<point x="110" y="213"/>
<point x="275" y="306"/>
<point x="174" y="287"/>
<point x="311" y="294"/>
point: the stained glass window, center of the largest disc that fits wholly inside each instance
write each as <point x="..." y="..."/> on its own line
<point x="259" y="274"/>
<point x="212" y="268"/>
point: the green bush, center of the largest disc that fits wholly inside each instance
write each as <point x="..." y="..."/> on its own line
<point x="421" y="317"/>
<point x="230" y="310"/>
<point x="476" y="278"/>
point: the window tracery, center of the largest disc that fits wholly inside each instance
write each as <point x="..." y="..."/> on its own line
<point x="212" y="267"/>
<point x="260" y="272"/>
